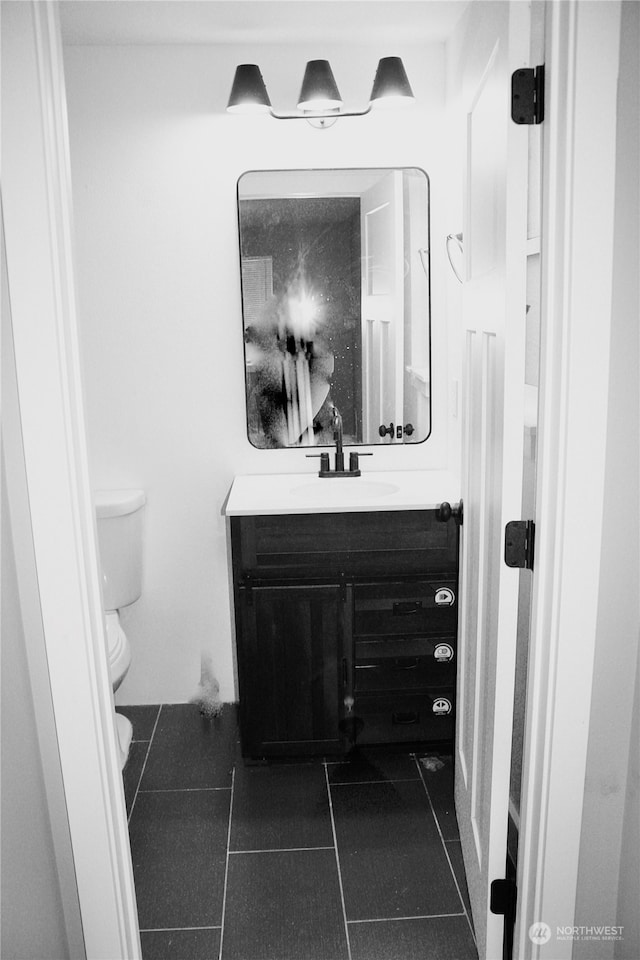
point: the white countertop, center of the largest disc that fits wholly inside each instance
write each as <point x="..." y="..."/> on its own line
<point x="293" y="493"/>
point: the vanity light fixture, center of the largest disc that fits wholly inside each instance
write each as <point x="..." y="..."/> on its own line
<point x="319" y="102"/>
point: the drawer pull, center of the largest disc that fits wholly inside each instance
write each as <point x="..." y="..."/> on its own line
<point x="393" y="664"/>
<point x="409" y="666"/>
<point x="405" y="717"/>
<point x="404" y="608"/>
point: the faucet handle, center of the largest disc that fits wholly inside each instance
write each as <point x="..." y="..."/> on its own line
<point x="324" y="461"/>
<point x="353" y="460"/>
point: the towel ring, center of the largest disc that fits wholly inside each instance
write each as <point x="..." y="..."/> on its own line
<point x="457" y="239"/>
<point x="424" y="260"/>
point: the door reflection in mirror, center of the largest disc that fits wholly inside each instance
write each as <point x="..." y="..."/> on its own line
<point x="336" y="305"/>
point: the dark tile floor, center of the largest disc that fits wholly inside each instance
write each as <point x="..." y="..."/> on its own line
<point x="354" y="860"/>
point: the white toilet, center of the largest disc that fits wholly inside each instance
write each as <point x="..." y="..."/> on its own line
<point x="119" y="522"/>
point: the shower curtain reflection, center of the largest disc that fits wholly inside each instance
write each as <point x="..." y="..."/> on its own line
<point x="301" y="297"/>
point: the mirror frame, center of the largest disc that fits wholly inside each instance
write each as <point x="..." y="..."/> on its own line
<point x="396" y="442"/>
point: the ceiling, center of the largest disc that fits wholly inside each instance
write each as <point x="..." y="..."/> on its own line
<point x="258" y="21"/>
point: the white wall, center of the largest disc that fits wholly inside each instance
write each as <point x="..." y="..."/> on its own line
<point x="155" y="161"/>
<point x="32" y="918"/>
<point x="40" y="914"/>
<point x="628" y="880"/>
<point x="609" y="872"/>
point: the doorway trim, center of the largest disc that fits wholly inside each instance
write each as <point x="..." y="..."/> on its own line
<point x="37" y="208"/>
<point x="576" y="330"/>
<point x="60" y="496"/>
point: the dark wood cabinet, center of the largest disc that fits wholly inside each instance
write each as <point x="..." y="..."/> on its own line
<point x="291" y="652"/>
<point x="404" y="659"/>
<point x="346" y="630"/>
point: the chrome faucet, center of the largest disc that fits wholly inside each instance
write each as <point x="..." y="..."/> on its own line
<point x="339" y="471"/>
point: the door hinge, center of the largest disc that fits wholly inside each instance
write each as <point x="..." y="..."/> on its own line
<point x="519" y="540"/>
<point x="527" y="95"/>
<point x="503" y="897"/>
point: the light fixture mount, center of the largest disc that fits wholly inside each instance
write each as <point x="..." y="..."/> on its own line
<point x="319" y="121"/>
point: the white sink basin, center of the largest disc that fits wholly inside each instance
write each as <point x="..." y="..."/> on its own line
<point x="342" y="490"/>
<point x="255" y="495"/>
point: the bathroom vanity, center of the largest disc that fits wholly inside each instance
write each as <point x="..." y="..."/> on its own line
<point x="346" y="613"/>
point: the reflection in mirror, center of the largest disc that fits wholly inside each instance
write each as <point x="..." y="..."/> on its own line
<point x="336" y="305"/>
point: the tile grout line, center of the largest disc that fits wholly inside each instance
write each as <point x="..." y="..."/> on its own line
<point x="182" y="789"/>
<point x="335" y="843"/>
<point x="146" y="757"/>
<point x="226" y="866"/>
<point x="419" y="916"/>
<point x="236" y="853"/>
<point x="176" y="929"/>
<point x="466" y="912"/>
<point x="446" y="852"/>
<point x="359" y="783"/>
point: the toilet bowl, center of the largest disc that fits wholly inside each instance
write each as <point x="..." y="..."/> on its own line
<point x="119" y="525"/>
<point x="119" y="654"/>
<point x="119" y="649"/>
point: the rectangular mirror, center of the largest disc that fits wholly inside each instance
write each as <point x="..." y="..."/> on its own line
<point x="336" y="305"/>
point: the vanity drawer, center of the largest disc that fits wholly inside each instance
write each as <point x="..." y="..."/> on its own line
<point x="426" y="607"/>
<point x="404" y="664"/>
<point x="407" y="718"/>
<point x="394" y="543"/>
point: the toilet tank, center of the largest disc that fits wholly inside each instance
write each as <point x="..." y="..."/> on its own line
<point x="119" y="522"/>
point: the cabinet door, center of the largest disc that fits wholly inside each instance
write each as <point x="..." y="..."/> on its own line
<point x="292" y="674"/>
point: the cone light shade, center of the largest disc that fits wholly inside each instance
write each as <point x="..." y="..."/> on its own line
<point x="248" y="93"/>
<point x="391" y="83"/>
<point x="319" y="90"/>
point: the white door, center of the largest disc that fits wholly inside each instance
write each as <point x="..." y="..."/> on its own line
<point x="494" y="313"/>
<point x="382" y="241"/>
